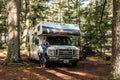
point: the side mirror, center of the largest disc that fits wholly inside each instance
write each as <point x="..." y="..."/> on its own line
<point x="36" y="41"/>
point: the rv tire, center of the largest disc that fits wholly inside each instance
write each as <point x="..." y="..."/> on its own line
<point x="47" y="64"/>
<point x="74" y="64"/>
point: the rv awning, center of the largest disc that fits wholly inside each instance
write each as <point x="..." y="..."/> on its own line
<point x="60" y="29"/>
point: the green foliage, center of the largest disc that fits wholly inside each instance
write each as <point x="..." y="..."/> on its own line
<point x="3" y="28"/>
<point x="95" y="31"/>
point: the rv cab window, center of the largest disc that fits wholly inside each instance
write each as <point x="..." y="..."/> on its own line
<point x="59" y="40"/>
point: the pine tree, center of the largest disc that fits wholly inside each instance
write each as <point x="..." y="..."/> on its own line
<point x="115" y="71"/>
<point x="13" y="54"/>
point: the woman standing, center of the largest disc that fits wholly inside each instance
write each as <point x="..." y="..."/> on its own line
<point x="42" y="55"/>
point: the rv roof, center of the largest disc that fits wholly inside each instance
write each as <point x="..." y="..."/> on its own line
<point x="52" y="28"/>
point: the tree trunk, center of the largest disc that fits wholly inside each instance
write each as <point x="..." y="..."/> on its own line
<point x="13" y="54"/>
<point x="25" y="31"/>
<point x="100" y="28"/>
<point x="115" y="69"/>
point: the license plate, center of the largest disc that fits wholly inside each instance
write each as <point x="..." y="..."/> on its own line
<point x="66" y="61"/>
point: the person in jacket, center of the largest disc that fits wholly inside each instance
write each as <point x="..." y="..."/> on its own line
<point x="43" y="54"/>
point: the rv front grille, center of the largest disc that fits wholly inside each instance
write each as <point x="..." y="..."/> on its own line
<point x="64" y="53"/>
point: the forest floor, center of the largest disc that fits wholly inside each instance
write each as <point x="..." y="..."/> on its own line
<point x="90" y="69"/>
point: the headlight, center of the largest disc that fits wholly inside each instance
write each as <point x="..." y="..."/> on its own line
<point x="75" y="53"/>
<point x="51" y="52"/>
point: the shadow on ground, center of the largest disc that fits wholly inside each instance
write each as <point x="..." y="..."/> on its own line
<point x="89" y="69"/>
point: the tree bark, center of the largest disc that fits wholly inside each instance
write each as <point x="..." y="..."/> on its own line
<point x="115" y="69"/>
<point x="13" y="54"/>
<point x="25" y="31"/>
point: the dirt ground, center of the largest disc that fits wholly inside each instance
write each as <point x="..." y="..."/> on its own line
<point x="90" y="69"/>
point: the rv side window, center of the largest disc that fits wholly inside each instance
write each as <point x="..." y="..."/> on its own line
<point x="35" y="40"/>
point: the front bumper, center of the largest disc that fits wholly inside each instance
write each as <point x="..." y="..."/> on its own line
<point x="56" y="60"/>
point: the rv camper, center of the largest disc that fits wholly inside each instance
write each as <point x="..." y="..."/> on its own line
<point x="59" y="36"/>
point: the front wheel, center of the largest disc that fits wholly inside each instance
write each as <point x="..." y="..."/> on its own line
<point x="74" y="64"/>
<point x="47" y="64"/>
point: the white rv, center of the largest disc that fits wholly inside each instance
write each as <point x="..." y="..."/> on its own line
<point x="59" y="36"/>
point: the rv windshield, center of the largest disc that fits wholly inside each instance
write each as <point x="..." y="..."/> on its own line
<point x="59" y="40"/>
